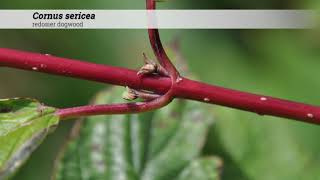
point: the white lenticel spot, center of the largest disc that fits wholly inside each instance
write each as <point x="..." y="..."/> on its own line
<point x="34" y="68"/>
<point x="263" y="98"/>
<point x="310" y="115"/>
<point x="206" y="99"/>
<point x="179" y="80"/>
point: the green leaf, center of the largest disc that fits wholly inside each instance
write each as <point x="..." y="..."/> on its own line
<point x="164" y="126"/>
<point x="134" y="146"/>
<point x="140" y="130"/>
<point x="24" y="123"/>
<point x="183" y="146"/>
<point x="101" y="148"/>
<point x="202" y="169"/>
<point x="266" y="147"/>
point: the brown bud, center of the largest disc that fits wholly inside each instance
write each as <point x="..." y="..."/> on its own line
<point x="148" y="69"/>
<point x="129" y="94"/>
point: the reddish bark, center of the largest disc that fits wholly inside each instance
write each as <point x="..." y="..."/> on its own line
<point x="186" y="88"/>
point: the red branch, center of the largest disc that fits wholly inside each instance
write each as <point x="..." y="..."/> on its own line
<point x="188" y="89"/>
<point x="158" y="49"/>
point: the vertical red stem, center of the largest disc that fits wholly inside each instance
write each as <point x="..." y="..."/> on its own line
<point x="157" y="46"/>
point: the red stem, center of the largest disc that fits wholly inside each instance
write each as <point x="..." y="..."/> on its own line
<point x="186" y="88"/>
<point x="125" y="108"/>
<point x="157" y="47"/>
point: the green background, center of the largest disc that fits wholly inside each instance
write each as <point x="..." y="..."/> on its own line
<point x="281" y="63"/>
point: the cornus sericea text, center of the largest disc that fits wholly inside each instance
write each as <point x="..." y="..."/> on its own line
<point x="52" y="16"/>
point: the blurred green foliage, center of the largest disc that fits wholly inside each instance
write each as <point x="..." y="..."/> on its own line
<point x="162" y="145"/>
<point x="281" y="63"/>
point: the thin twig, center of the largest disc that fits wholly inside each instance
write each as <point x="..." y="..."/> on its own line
<point x="124" y="108"/>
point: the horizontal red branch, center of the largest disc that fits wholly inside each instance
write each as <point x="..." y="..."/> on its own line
<point x="186" y="88"/>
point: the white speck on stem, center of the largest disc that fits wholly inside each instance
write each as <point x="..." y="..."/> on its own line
<point x="310" y="115"/>
<point x="263" y="99"/>
<point x="179" y="79"/>
<point x="34" y="68"/>
<point x="206" y="99"/>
